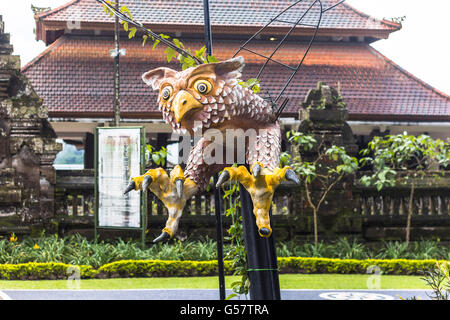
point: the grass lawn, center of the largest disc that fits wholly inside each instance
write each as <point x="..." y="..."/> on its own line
<point x="287" y="281"/>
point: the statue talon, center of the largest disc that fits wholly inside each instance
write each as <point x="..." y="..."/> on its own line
<point x="260" y="183"/>
<point x="146" y="182"/>
<point x="223" y="178"/>
<point x="172" y="189"/>
<point x="256" y="170"/>
<point x="131" y="186"/>
<point x="265" y="232"/>
<point x="291" y="176"/>
<point x="179" y="183"/>
<point x="163" y="237"/>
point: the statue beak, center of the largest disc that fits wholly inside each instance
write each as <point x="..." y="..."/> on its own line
<point x="182" y="103"/>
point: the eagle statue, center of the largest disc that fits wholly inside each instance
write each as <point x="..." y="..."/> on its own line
<point x="209" y="97"/>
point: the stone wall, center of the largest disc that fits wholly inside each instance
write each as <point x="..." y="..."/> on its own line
<point x="323" y="115"/>
<point x="27" y="148"/>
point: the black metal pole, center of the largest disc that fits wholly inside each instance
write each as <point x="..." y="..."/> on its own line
<point x="117" y="71"/>
<point x="218" y="211"/>
<point x="261" y="254"/>
<point x="217" y="193"/>
<point x="208" y="33"/>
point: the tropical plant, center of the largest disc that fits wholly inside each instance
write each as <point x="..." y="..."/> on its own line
<point x="328" y="167"/>
<point x="78" y="250"/>
<point x="345" y="249"/>
<point x="394" y="250"/>
<point x="438" y="279"/>
<point x="404" y="159"/>
<point x="317" y="250"/>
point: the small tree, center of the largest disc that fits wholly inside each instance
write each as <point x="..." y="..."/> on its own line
<point x="403" y="159"/>
<point x="328" y="166"/>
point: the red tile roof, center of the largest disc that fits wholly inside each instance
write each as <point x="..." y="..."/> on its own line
<point x="74" y="76"/>
<point x="227" y="16"/>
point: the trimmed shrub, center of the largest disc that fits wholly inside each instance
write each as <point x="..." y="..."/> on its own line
<point x="161" y="268"/>
<point x="167" y="268"/>
<point x="43" y="271"/>
<point x="352" y="266"/>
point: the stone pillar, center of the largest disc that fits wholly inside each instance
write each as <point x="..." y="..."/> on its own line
<point x="28" y="146"/>
<point x="324" y="116"/>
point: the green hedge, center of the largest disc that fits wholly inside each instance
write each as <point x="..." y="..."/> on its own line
<point x="351" y="266"/>
<point x="161" y="268"/>
<point x="44" y="271"/>
<point x="166" y="268"/>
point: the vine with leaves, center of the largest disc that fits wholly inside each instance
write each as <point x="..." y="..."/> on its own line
<point x="186" y="61"/>
<point x="236" y="253"/>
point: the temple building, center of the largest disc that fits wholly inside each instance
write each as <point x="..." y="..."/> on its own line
<point x="75" y="74"/>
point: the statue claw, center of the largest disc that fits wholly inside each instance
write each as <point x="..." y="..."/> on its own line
<point x="162" y="238"/>
<point x="179" y="186"/>
<point x="172" y="189"/>
<point x="224" y="177"/>
<point x="291" y="176"/>
<point x="131" y="186"/>
<point x="256" y="170"/>
<point x="146" y="182"/>
<point x="265" y="232"/>
<point x="260" y="183"/>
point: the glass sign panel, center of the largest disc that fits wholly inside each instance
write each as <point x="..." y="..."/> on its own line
<point x="119" y="159"/>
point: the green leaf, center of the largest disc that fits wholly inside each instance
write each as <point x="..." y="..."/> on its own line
<point x="187" y="62"/>
<point x="145" y="38"/>
<point x="200" y="52"/>
<point x="156" y="158"/>
<point x="155" y="44"/>
<point x="252" y="83"/>
<point x="171" y="53"/>
<point x="212" y="59"/>
<point x="126" y="11"/>
<point x="178" y="43"/>
<point x="132" y="33"/>
<point x="249" y="83"/>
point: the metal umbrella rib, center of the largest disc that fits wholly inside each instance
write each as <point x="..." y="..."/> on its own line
<point x="269" y="58"/>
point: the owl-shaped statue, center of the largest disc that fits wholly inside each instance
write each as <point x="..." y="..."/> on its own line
<point x="208" y="98"/>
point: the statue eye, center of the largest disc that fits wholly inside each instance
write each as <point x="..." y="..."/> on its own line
<point x="203" y="86"/>
<point x="166" y="92"/>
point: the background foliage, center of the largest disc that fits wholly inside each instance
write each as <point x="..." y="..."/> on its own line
<point x="78" y="250"/>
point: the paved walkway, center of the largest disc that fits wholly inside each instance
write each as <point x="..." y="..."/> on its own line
<point x="205" y="294"/>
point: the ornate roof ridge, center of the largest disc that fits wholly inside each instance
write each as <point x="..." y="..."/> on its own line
<point x="237" y="16"/>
